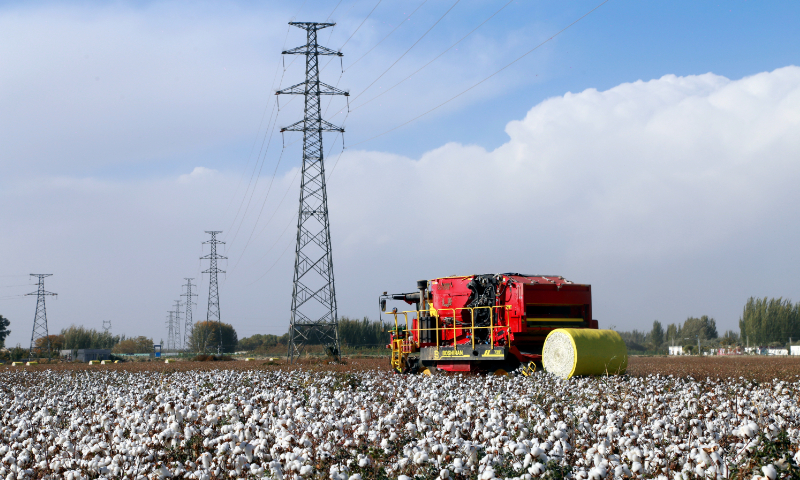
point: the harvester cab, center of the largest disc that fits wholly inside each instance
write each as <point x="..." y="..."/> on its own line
<point x="484" y="323"/>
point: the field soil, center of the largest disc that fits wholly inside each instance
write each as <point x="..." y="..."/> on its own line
<point x="758" y="368"/>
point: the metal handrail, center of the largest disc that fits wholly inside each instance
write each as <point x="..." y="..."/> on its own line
<point x="471" y="328"/>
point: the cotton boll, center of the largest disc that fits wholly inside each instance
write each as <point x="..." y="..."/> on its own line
<point x="769" y="471"/>
<point x="536" y="469"/>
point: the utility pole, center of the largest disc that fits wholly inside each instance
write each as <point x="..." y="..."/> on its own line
<point x="107" y="326"/>
<point x="314" y="316"/>
<point x="189" y="326"/>
<point x="213" y="287"/>
<point x="40" y="318"/>
<point x="178" y="306"/>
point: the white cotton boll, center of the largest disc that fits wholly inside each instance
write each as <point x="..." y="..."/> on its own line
<point x="527" y="462"/>
<point x="536" y="469"/>
<point x="355" y="476"/>
<point x="487" y="473"/>
<point x="636" y="467"/>
<point x="769" y="471"/>
<point x="306" y="470"/>
<point x="163" y="472"/>
<point x="404" y="477"/>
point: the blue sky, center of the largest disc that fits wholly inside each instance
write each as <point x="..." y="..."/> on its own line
<point x="131" y="128"/>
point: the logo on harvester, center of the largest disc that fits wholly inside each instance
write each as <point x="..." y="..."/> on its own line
<point x="437" y="354"/>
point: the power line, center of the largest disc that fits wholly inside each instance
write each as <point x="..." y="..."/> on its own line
<point x="331" y="14"/>
<point x="255" y="225"/>
<point x="257" y="177"/>
<point x="435" y="58"/>
<point x="390" y="33"/>
<point x="255" y="140"/>
<point x="406" y="52"/>
<point x="360" y="25"/>
<point x="485" y="79"/>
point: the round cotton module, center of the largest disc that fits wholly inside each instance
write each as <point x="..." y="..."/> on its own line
<point x="582" y="351"/>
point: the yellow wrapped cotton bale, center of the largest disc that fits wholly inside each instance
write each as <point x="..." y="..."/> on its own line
<point x="583" y="351"/>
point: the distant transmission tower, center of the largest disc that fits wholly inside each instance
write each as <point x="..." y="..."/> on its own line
<point x="107" y="326"/>
<point x="40" y="318"/>
<point x="314" y="315"/>
<point x="178" y="337"/>
<point x="188" y="328"/>
<point x="171" y="330"/>
<point x="213" y="287"/>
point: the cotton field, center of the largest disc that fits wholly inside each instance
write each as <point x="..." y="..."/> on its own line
<point x="300" y="424"/>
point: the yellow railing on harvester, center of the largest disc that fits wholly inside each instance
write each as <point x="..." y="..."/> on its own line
<point x="403" y="342"/>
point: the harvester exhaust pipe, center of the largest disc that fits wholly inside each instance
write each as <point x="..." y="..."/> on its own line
<point x="422" y="285"/>
<point x="425" y="321"/>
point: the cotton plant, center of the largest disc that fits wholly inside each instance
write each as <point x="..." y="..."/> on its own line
<point x="299" y="424"/>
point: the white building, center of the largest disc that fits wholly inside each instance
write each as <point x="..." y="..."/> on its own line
<point x="794" y="350"/>
<point x="676" y="350"/>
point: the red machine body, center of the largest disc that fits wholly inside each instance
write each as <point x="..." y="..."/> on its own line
<point x="485" y="322"/>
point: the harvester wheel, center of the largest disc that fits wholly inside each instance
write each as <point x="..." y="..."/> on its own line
<point x="500" y="373"/>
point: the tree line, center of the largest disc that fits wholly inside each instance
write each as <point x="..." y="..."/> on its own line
<point x="770" y="321"/>
<point x="352" y="333"/>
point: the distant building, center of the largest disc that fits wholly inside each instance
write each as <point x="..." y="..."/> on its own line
<point x="676" y="350"/>
<point x="794" y="350"/>
<point x="89" y="354"/>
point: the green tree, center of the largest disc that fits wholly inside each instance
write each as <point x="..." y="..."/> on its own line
<point x="259" y="341"/>
<point x="129" y="346"/>
<point x="704" y="327"/>
<point x="77" y="337"/>
<point x="4" y="331"/>
<point x="657" y="334"/>
<point x="364" y="332"/>
<point x="673" y="333"/>
<point x="205" y="337"/>
<point x="766" y="321"/>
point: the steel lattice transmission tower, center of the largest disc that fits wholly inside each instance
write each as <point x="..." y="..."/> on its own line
<point x="178" y="338"/>
<point x="170" y="330"/>
<point x="40" y="318"/>
<point x="213" y="286"/>
<point x="314" y="316"/>
<point x="107" y="326"/>
<point x="188" y="328"/>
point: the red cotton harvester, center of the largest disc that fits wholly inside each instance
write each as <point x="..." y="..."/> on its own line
<point x="488" y="323"/>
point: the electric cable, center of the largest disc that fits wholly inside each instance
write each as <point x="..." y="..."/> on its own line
<point x="241" y="179"/>
<point x="334" y="9"/>
<point x="390" y="33"/>
<point x="485" y="79"/>
<point x="434" y="59"/>
<point x="270" y="126"/>
<point x="255" y="225"/>
<point x="409" y="49"/>
<point x="362" y="24"/>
